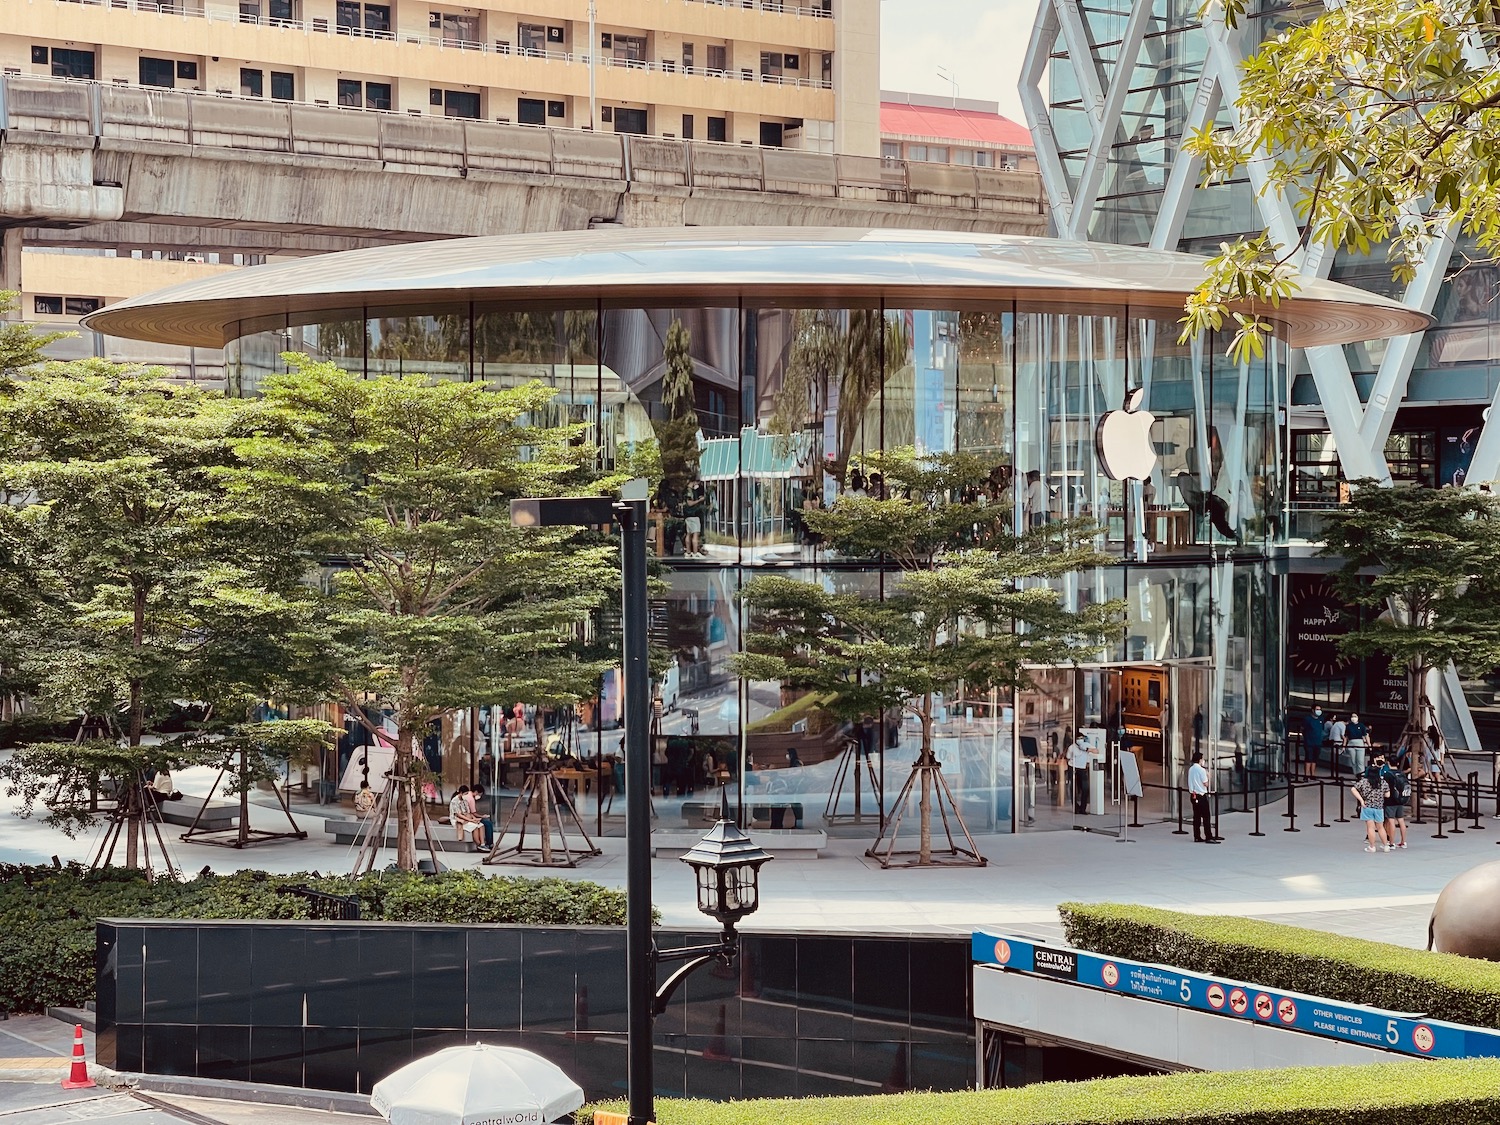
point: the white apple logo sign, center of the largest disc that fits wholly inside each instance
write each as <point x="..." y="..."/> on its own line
<point x="1123" y="440"/>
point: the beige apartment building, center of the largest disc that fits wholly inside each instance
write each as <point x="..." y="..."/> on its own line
<point x="800" y="74"/>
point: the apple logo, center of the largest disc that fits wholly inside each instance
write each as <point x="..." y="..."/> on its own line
<point x="1122" y="440"/>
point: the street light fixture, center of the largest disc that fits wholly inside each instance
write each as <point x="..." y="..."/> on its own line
<point x="726" y="861"/>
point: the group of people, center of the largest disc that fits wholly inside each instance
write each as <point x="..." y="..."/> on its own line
<point x="1382" y="794"/>
<point x="1335" y="740"/>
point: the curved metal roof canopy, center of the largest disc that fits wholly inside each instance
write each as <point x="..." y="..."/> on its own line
<point x="708" y="267"/>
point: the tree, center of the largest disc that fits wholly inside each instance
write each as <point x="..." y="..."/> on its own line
<point x="1379" y="123"/>
<point x="837" y="358"/>
<point x="431" y="599"/>
<point x="971" y="609"/>
<point x="21" y="346"/>
<point x="147" y="585"/>
<point x="677" y="431"/>
<point x="1432" y="557"/>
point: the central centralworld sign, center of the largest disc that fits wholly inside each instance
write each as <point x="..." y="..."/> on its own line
<point x="1331" y="1019"/>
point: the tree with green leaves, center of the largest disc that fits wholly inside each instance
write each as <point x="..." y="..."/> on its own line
<point x="1425" y="563"/>
<point x="148" y="584"/>
<point x="21" y="346"/>
<point x="431" y="599"/>
<point x="842" y="358"/>
<point x="677" y="430"/>
<point x="973" y="605"/>
<point x="1378" y="122"/>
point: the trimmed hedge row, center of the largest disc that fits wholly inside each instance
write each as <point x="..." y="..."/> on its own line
<point x="1440" y="985"/>
<point x="47" y="914"/>
<point x="1457" y="1092"/>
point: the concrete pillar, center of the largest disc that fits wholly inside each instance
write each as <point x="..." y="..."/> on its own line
<point x="10" y="258"/>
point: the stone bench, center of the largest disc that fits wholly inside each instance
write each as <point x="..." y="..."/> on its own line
<point x="349" y="831"/>
<point x="783" y="843"/>
<point x="761" y="812"/>
<point x="219" y="816"/>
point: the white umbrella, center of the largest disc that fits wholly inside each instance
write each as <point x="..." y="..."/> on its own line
<point x="476" y="1085"/>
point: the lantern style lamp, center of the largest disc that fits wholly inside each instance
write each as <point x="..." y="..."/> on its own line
<point x="726" y="864"/>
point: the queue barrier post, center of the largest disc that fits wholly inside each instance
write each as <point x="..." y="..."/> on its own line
<point x="1258" y="832"/>
<point x="1439" y="834"/>
<point x="1474" y="802"/>
<point x="1341" y="819"/>
<point x="1135" y="812"/>
<point x="1322" y="815"/>
<point x="1181" y="831"/>
<point x="1458" y="812"/>
<point x="1418" y="791"/>
<point x="1291" y="804"/>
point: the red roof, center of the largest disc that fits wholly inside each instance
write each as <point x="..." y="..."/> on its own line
<point x="962" y="126"/>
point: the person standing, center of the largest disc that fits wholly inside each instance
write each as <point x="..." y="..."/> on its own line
<point x="1369" y="795"/>
<point x="1312" y="741"/>
<point x="1357" y="738"/>
<point x="1334" y="740"/>
<point x="1397" y="794"/>
<point x="1078" y="766"/>
<point x="1198" y="790"/>
<point x="1034" y="503"/>
<point x="694" y="512"/>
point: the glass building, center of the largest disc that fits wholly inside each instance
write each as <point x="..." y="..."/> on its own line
<point x="1110" y="88"/>
<point x="808" y="351"/>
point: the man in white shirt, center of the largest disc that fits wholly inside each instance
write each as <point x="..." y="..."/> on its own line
<point x="1337" y="735"/>
<point x="1198" y="789"/>
<point x="1079" y="758"/>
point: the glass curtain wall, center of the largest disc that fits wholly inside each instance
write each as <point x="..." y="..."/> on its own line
<point x="762" y="414"/>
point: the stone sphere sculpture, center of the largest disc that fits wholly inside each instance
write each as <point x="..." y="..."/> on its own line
<point x="1466" y="916"/>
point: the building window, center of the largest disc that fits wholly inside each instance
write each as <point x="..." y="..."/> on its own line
<point x="283" y="86"/>
<point x="377" y="95"/>
<point x="252" y="83"/>
<point x="718" y="128"/>
<point x="68" y="63"/>
<point x="39" y="56"/>
<point x="687" y="126"/>
<point x="47" y="306"/>
<point x="717" y="60"/>
<point x="984" y="159"/>
<point x="828" y="68"/>
<point x="628" y="50"/>
<point x="1412" y="458"/>
<point x="890" y="150"/>
<point x="82" y="306"/>
<point x="556" y="109"/>
<point x="187" y="71"/>
<point x="1316" y="479"/>
<point x="461" y="103"/>
<point x="351" y="93"/>
<point x="353" y="18"/>
<point x="158" y="72"/>
<point x="453" y="28"/>
<point x="531" y="39"/>
<point x="771" y="134"/>
<point x="630" y="120"/>
<point x="531" y="111"/>
<point x="687" y="58"/>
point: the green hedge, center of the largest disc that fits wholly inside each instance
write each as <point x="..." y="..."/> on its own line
<point x="1462" y="1092"/>
<point x="47" y="914"/>
<point x="1441" y="985"/>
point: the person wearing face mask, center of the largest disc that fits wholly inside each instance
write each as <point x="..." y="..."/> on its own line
<point x="1357" y="739"/>
<point x="1312" y="741"/>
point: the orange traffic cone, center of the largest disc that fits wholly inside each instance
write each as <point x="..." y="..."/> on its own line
<point x="78" y="1077"/>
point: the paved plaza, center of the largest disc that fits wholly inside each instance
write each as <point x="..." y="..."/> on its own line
<point x="1317" y="877"/>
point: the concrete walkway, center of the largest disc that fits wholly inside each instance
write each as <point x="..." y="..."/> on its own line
<point x="1314" y="877"/>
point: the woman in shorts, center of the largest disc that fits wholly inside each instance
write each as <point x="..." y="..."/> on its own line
<point x="1369" y="795"/>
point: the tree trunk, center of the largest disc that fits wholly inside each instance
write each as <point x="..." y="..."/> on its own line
<point x="406" y="838"/>
<point x="135" y="809"/>
<point x="1416" y="708"/>
<point x="925" y="804"/>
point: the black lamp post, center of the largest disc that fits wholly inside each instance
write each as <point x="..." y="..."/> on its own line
<point x="727" y="864"/>
<point x="726" y="860"/>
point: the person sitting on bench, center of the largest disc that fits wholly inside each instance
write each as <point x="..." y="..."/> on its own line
<point x="462" y="817"/>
